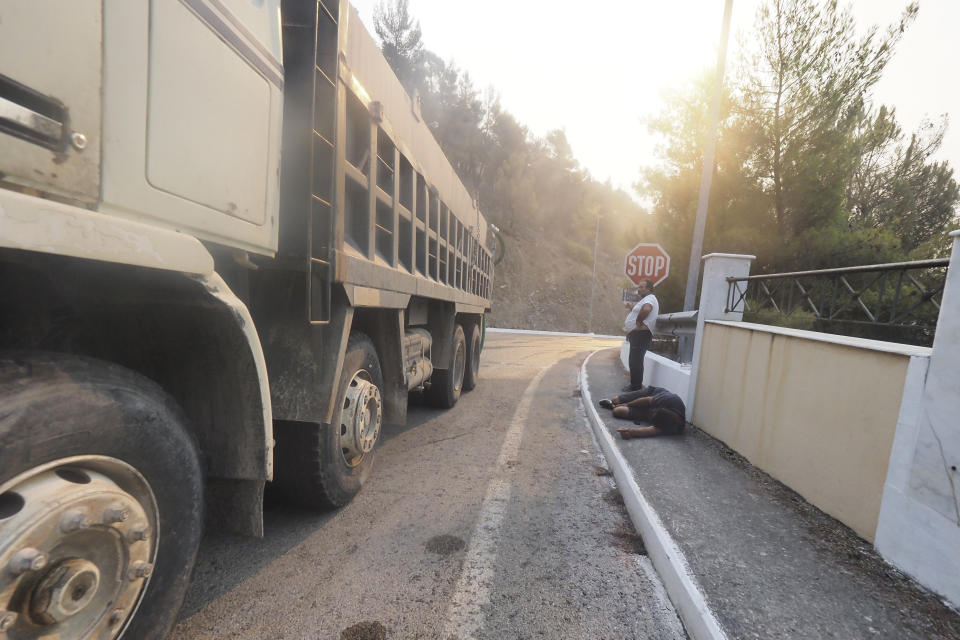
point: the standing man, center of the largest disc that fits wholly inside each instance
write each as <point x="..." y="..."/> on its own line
<point x="639" y="325"/>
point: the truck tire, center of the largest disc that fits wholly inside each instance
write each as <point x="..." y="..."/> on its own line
<point x="101" y="500"/>
<point x="447" y="384"/>
<point x="471" y="372"/>
<point x="325" y="466"/>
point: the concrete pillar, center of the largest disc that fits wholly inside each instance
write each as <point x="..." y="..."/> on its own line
<point x="942" y="392"/>
<point x="717" y="267"/>
<point x="919" y="525"/>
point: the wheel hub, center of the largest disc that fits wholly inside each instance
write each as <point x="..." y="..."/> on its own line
<point x="64" y="591"/>
<point x="73" y="549"/>
<point x="360" y="419"/>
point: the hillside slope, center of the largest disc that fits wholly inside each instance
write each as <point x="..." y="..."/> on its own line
<point x="545" y="284"/>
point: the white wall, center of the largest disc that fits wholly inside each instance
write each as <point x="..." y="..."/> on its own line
<point x="816" y="411"/>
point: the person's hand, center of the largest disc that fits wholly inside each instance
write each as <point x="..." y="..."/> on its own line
<point x="638" y="432"/>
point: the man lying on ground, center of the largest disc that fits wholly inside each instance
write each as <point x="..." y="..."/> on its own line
<point x="662" y="409"/>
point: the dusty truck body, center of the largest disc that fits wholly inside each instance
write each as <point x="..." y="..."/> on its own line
<point x="229" y="250"/>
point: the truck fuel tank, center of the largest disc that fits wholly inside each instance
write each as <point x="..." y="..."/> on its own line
<point x="416" y="350"/>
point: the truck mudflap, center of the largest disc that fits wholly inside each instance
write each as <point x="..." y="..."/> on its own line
<point x="217" y="288"/>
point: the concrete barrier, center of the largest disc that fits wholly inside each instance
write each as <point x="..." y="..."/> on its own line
<point x="816" y="411"/>
<point x="919" y="527"/>
<point x="661" y="372"/>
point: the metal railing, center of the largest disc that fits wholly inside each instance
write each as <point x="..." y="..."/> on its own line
<point x="900" y="295"/>
<point x="681" y="323"/>
<point x="673" y="335"/>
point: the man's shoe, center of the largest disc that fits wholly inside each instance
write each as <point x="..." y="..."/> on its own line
<point x="631" y="388"/>
<point x="606" y="404"/>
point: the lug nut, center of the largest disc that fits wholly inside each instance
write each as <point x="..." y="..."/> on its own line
<point x="139" y="570"/>
<point x="139" y="532"/>
<point x="116" y="513"/>
<point x="7" y="620"/>
<point x="116" y="617"/>
<point x="74" y="521"/>
<point x="27" y="559"/>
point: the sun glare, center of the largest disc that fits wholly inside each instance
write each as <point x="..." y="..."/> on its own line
<point x="599" y="74"/>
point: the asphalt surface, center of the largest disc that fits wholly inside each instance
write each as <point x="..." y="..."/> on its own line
<point x="490" y="520"/>
<point x="770" y="565"/>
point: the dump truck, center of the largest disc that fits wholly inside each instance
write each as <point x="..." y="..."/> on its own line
<point x="231" y="251"/>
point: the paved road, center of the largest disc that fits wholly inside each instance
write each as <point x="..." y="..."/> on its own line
<point x="485" y="521"/>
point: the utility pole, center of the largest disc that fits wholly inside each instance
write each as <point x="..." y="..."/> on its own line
<point x="593" y="285"/>
<point x="709" y="153"/>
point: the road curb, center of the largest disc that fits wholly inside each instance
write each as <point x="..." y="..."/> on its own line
<point x="666" y="556"/>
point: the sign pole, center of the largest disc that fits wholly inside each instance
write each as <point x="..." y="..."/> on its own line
<point x="593" y="284"/>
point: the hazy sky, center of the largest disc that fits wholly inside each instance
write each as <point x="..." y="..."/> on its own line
<point x="597" y="69"/>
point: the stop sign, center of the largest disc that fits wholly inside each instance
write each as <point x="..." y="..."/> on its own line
<point x="647" y="262"/>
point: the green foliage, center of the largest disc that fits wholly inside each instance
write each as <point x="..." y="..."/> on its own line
<point x="896" y="186"/>
<point x="802" y="92"/>
<point x="809" y="174"/>
<point x="402" y="45"/>
<point x="805" y="320"/>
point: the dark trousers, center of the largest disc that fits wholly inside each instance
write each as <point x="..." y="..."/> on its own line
<point x="639" y="343"/>
<point x="637" y="413"/>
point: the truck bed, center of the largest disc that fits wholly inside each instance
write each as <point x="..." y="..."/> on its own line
<point x="368" y="198"/>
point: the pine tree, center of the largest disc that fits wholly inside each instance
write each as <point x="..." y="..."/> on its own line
<point x="805" y="90"/>
<point x="401" y="41"/>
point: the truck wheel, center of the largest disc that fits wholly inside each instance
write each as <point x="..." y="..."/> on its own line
<point x="472" y="371"/>
<point x="446" y="384"/>
<point x="324" y="466"/>
<point x="101" y="501"/>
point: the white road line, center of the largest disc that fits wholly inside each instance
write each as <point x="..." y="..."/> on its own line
<point x="567" y="334"/>
<point x="465" y="611"/>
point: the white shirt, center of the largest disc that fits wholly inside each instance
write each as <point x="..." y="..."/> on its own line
<point x="651" y="320"/>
